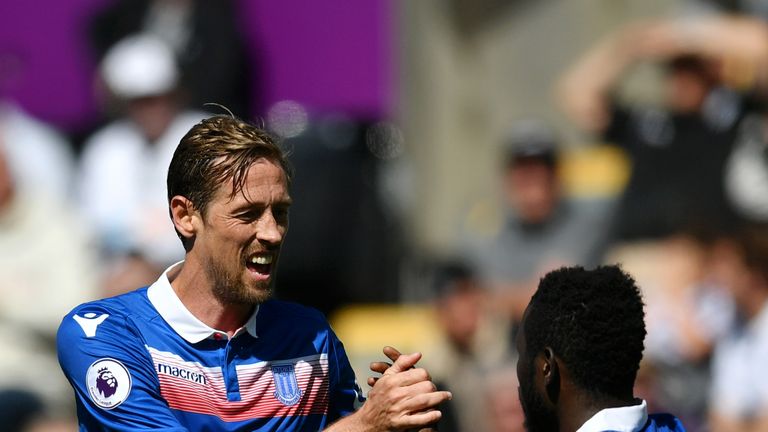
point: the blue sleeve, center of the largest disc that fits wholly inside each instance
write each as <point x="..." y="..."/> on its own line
<point x="664" y="423"/>
<point x="105" y="360"/>
<point x="345" y="395"/>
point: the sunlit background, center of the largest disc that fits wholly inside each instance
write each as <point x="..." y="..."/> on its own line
<point x="447" y="154"/>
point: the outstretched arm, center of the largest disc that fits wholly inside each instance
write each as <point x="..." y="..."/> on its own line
<point x="584" y="88"/>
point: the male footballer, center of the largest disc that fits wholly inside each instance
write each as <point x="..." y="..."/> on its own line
<point x="205" y="348"/>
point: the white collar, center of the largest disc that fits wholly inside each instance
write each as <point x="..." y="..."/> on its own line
<point x="622" y="419"/>
<point x="169" y="306"/>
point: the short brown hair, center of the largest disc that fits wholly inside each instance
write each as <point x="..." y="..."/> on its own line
<point x="215" y="150"/>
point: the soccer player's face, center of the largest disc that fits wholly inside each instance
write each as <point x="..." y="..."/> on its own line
<point x="241" y="236"/>
<point x="539" y="417"/>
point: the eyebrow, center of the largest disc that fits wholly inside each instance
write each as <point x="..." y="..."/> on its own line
<point x="246" y="204"/>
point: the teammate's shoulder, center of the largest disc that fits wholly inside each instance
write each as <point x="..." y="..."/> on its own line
<point x="664" y="422"/>
<point x="286" y="310"/>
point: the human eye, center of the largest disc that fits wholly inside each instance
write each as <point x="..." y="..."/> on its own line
<point x="280" y="212"/>
<point x="249" y="215"/>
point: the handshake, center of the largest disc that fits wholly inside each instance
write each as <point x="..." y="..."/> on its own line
<point x="402" y="398"/>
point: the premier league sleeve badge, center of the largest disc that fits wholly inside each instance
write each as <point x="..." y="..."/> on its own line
<point x="109" y="383"/>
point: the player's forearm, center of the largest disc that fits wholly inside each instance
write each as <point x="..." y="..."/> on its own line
<point x="381" y="419"/>
<point x="350" y="423"/>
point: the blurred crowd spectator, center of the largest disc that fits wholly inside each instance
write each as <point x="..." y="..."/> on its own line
<point x="739" y="394"/>
<point x="539" y="227"/>
<point x="46" y="266"/>
<point x="124" y="164"/>
<point x="474" y="346"/>
<point x="40" y="158"/>
<point x="678" y="149"/>
<point x="203" y="36"/>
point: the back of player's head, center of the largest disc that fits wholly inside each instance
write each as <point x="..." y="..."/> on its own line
<point x="593" y="320"/>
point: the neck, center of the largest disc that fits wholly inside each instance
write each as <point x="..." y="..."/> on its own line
<point x="582" y="407"/>
<point x="195" y="290"/>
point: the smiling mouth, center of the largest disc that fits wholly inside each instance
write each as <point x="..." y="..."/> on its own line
<point x="261" y="264"/>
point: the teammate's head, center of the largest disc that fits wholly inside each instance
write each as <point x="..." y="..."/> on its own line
<point x="215" y="151"/>
<point x="583" y="331"/>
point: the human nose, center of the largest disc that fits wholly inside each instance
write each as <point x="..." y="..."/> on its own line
<point x="269" y="230"/>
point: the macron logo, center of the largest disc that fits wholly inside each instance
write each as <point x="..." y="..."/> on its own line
<point x="89" y="322"/>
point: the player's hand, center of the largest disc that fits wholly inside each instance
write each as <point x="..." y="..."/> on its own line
<point x="382" y="367"/>
<point x="403" y="367"/>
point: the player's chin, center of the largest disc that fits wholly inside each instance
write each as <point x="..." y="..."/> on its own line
<point x="261" y="297"/>
<point x="258" y="292"/>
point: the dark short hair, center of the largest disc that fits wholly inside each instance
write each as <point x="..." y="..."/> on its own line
<point x="216" y="150"/>
<point x="594" y="321"/>
<point x="447" y="273"/>
<point x="693" y="64"/>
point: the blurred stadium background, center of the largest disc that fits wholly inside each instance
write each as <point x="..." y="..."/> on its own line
<point x="404" y="121"/>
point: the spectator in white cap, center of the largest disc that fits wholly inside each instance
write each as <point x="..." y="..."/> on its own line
<point x="124" y="163"/>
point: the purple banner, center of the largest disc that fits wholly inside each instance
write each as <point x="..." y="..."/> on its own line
<point x="330" y="56"/>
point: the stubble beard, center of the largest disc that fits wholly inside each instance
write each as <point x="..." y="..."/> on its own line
<point x="229" y="287"/>
<point x="538" y="418"/>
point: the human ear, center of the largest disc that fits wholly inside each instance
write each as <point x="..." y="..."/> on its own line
<point x="185" y="217"/>
<point x="551" y="373"/>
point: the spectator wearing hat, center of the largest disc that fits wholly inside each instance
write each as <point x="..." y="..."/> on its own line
<point x="470" y="349"/>
<point x="206" y="38"/>
<point x="538" y="227"/>
<point x="124" y="164"/>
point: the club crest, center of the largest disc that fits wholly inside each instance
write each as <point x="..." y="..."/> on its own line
<point x="287" y="388"/>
